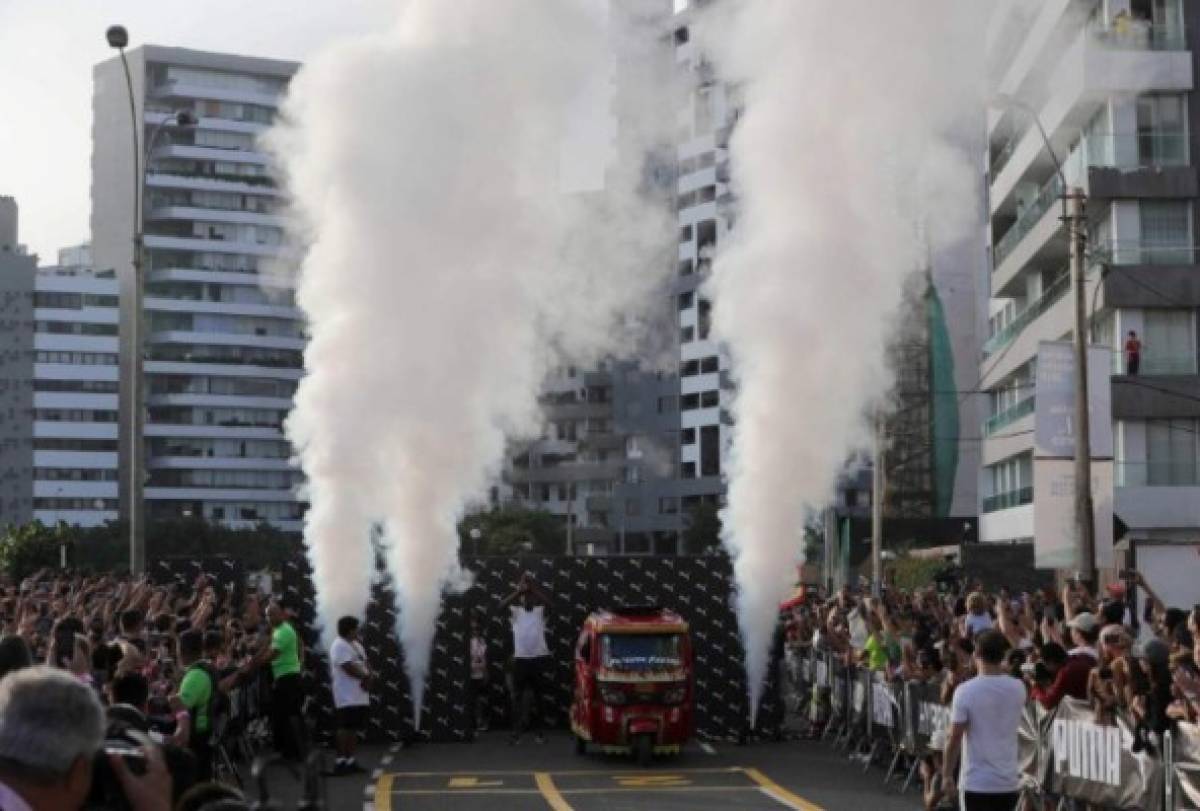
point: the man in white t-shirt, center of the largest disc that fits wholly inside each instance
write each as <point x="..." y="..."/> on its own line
<point x="350" y="676"/>
<point x="984" y="718"/>
<point x="527" y="612"/>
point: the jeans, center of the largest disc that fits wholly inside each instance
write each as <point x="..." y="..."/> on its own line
<point x="527" y="677"/>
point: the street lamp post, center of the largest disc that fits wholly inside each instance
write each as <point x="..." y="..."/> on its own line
<point x="117" y="37"/>
<point x="1074" y="216"/>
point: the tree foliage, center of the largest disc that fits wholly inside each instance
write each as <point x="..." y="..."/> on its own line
<point x="702" y="529"/>
<point x="513" y="530"/>
<point x="27" y="548"/>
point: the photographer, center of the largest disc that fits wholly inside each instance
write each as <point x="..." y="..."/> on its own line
<point x="51" y="727"/>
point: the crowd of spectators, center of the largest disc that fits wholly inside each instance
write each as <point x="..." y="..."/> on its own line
<point x="113" y="691"/>
<point x="1104" y="648"/>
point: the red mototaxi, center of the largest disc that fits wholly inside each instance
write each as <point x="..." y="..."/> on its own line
<point x="634" y="690"/>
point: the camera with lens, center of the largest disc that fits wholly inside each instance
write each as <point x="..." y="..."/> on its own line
<point x="124" y="738"/>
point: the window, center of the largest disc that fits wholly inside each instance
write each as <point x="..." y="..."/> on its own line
<point x="703" y="111"/>
<point x="710" y="399"/>
<point x="704" y="318"/>
<point x="545" y="492"/>
<point x="710" y="450"/>
<point x="687" y="436"/>
<point x="1166" y="232"/>
<point x="681" y="35"/>
<point x="685" y="300"/>
<point x="689" y="402"/>
<point x="687" y="334"/>
<point x="1161" y="130"/>
<point x="689" y="368"/>
<point x="686" y="267"/>
<point x="1170" y="342"/>
<point x="668" y="505"/>
<point x="1171" y="452"/>
<point x="687" y="470"/>
<point x="710" y="364"/>
<point x="850" y="497"/>
<point x="706" y="235"/>
<point x="685" y="233"/>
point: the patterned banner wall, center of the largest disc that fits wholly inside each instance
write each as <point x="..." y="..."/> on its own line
<point x="698" y="588"/>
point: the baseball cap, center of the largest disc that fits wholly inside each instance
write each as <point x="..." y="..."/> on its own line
<point x="1085" y="622"/>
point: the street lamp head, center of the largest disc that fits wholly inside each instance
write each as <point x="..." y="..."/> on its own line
<point x="117" y="36"/>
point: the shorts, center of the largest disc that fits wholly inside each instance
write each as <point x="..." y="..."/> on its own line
<point x="353" y="718"/>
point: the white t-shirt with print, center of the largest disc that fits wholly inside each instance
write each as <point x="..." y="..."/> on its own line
<point x="991" y="707"/>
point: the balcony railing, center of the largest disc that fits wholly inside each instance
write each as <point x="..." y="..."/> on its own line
<point x="1140" y="35"/>
<point x="1008" y="416"/>
<point x="1028" y="315"/>
<point x="1130" y="151"/>
<point x="1047" y="197"/>
<point x="1157" y="364"/>
<point x="1183" y="473"/>
<point x="1134" y="252"/>
<point x="1008" y="500"/>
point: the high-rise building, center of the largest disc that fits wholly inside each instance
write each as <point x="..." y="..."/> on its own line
<point x="75" y="383"/>
<point x="17" y="271"/>
<point x="1112" y="83"/>
<point x="222" y="338"/>
<point x="58" y="390"/>
<point x="704" y="207"/>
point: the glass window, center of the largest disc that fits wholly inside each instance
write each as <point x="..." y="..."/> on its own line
<point x="1171" y="452"/>
<point x="1169" y="342"/>
<point x="1166" y="232"/>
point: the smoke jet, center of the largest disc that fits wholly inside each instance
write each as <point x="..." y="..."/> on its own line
<point x="848" y="138"/>
<point x="444" y="273"/>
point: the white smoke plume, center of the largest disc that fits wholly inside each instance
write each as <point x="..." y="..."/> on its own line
<point x="847" y="142"/>
<point x="445" y="273"/>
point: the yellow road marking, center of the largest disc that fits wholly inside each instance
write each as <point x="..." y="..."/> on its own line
<point x="567" y="773"/>
<point x="471" y="782"/>
<point x="779" y="793"/>
<point x="550" y="792"/>
<point x="652" y="781"/>
<point x="383" y="792"/>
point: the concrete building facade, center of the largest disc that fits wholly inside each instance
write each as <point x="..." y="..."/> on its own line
<point x="1114" y="84"/>
<point x="223" y="339"/>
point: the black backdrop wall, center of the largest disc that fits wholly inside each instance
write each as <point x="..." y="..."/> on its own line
<point x="698" y="588"/>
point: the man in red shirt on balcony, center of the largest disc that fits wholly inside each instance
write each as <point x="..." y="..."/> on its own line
<point x="1133" y="353"/>
<point x="1072" y="678"/>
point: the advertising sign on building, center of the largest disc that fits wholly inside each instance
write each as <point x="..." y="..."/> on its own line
<point x="1054" y="535"/>
<point x="1054" y="420"/>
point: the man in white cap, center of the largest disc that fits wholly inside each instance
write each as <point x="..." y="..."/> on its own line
<point x="1072" y="678"/>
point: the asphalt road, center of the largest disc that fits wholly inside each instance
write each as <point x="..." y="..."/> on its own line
<point x="493" y="776"/>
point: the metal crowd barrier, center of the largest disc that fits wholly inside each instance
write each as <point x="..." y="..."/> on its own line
<point x="1065" y="754"/>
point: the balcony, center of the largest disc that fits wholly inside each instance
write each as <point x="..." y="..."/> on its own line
<point x="247" y="339"/>
<point x="1008" y="416"/>
<point x="1135" y="252"/>
<point x="219" y="366"/>
<point x="1157" y="364"/>
<point x="210" y="153"/>
<point x="1005" y="501"/>
<point x="1050" y="195"/>
<point x="200" y="305"/>
<point x="1141" y="36"/>
<point x="221" y="215"/>
<point x="169" y="242"/>
<point x="1028" y="315"/>
<point x="243" y="184"/>
<point x="1184" y="473"/>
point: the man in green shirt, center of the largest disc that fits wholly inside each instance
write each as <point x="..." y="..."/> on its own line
<point x="193" y="703"/>
<point x="284" y="654"/>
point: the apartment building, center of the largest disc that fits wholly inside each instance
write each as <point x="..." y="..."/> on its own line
<point x="75" y="392"/>
<point x="606" y="460"/>
<point x="223" y="339"/>
<point x="1113" y="84"/>
<point x="58" y="387"/>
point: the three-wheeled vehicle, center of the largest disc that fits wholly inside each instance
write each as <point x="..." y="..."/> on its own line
<point x="633" y="683"/>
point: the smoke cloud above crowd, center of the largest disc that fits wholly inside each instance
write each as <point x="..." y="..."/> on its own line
<point x="849" y="145"/>
<point x="444" y="273"/>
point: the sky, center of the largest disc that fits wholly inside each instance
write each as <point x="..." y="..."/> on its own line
<point x="48" y="49"/>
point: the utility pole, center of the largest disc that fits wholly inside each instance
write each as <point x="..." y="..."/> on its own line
<point x="878" y="484"/>
<point x="1084" y="517"/>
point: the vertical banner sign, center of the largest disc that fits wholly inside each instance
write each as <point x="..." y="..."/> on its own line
<point x="1055" y="538"/>
<point x="1054" y="513"/>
